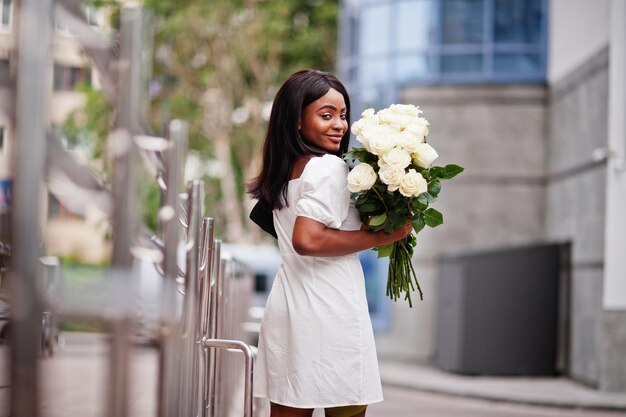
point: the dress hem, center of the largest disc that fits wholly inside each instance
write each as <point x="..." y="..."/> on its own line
<point x="366" y="402"/>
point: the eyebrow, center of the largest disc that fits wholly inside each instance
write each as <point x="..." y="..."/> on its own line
<point x="330" y="106"/>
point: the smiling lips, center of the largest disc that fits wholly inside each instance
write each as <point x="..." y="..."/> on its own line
<point x="335" y="138"/>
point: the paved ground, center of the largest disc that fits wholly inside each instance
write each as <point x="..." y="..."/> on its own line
<point x="401" y="402"/>
<point x="74" y="380"/>
<point x="525" y="390"/>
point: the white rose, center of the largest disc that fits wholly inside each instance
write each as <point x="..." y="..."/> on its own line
<point x="413" y="184"/>
<point x="379" y="138"/>
<point x="424" y="155"/>
<point x="367" y="113"/>
<point x="364" y="142"/>
<point x="396" y="120"/>
<point x="361" y="178"/>
<point x="414" y="138"/>
<point x="397" y="158"/>
<point x="391" y="176"/>
<point x="357" y="127"/>
<point x="407" y="109"/>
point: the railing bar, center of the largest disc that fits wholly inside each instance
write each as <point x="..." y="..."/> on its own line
<point x="170" y="325"/>
<point x="248" y="366"/>
<point x="32" y="85"/>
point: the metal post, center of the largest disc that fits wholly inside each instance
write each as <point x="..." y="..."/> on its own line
<point x="206" y="266"/>
<point x="125" y="187"/>
<point x="32" y="120"/>
<point x="190" y="312"/>
<point x="213" y="323"/>
<point x="248" y="366"/>
<point x="171" y="228"/>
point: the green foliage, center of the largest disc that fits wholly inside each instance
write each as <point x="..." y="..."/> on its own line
<point x="243" y="49"/>
<point x="432" y="217"/>
<point x="362" y="155"/>
<point x="151" y="201"/>
<point x="377" y="220"/>
<point x="384" y="250"/>
<point x="381" y="209"/>
<point x="418" y="222"/>
<point x="88" y="126"/>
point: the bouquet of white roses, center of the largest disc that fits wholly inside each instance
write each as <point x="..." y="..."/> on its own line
<point x="395" y="183"/>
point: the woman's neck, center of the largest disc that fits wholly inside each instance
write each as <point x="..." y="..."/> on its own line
<point x="299" y="164"/>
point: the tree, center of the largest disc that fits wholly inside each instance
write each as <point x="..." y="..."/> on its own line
<point x="217" y="65"/>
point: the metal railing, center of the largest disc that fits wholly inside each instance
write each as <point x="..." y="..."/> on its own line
<point x="198" y="374"/>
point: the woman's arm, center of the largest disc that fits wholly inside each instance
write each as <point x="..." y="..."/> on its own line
<point x="313" y="238"/>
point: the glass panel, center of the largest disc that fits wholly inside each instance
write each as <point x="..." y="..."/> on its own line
<point x="374" y="31"/>
<point x="59" y="75"/>
<point x="374" y="97"/>
<point x="518" y="21"/>
<point x="373" y="71"/>
<point x="6" y="13"/>
<point x="414" y="24"/>
<point x="454" y="64"/>
<point x="517" y="63"/>
<point x="5" y="74"/>
<point x="462" y="21"/>
<point x="411" y="67"/>
<point x="354" y="37"/>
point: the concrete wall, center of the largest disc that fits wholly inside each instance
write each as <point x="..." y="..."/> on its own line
<point x="613" y="367"/>
<point x="498" y="134"/>
<point x="578" y="29"/>
<point x="576" y="201"/>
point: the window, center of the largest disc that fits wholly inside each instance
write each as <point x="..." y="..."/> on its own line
<point x="5" y="73"/>
<point x="2" y="137"/>
<point x="55" y="209"/>
<point x="491" y="40"/>
<point x="66" y="78"/>
<point x="462" y="22"/>
<point x="402" y="42"/>
<point x="6" y="11"/>
<point x="92" y="14"/>
<point x="374" y="33"/>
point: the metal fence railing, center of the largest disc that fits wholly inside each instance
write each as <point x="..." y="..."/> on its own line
<point x="199" y="373"/>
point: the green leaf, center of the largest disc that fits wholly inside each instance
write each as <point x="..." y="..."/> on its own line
<point x="452" y="171"/>
<point x="423" y="199"/>
<point x="378" y="220"/>
<point x="418" y="223"/>
<point x="433" y="218"/>
<point x="434" y="187"/>
<point x="417" y="205"/>
<point x="384" y="250"/>
<point x="437" y="172"/>
<point x="366" y="196"/>
<point x="359" y="154"/>
<point x="369" y="207"/>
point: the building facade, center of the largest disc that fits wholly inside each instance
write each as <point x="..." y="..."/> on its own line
<point x="521" y="97"/>
<point x="66" y="233"/>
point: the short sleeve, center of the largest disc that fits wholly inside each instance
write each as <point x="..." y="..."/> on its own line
<point x="324" y="196"/>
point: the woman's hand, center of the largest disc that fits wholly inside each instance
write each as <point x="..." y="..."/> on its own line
<point x="398" y="234"/>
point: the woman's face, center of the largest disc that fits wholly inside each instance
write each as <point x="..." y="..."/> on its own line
<point x="324" y="123"/>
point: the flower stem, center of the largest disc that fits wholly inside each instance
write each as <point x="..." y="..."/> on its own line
<point x="382" y="200"/>
<point x="401" y="274"/>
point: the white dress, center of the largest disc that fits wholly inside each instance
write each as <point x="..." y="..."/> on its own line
<point x="316" y="345"/>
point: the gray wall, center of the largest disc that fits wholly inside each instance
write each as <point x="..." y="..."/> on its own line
<point x="498" y="133"/>
<point x="576" y="201"/>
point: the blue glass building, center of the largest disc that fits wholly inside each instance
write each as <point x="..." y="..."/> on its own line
<point x="388" y="44"/>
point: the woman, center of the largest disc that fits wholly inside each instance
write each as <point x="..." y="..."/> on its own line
<point x="316" y="346"/>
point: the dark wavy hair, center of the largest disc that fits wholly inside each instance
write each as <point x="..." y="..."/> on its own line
<point x="283" y="143"/>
